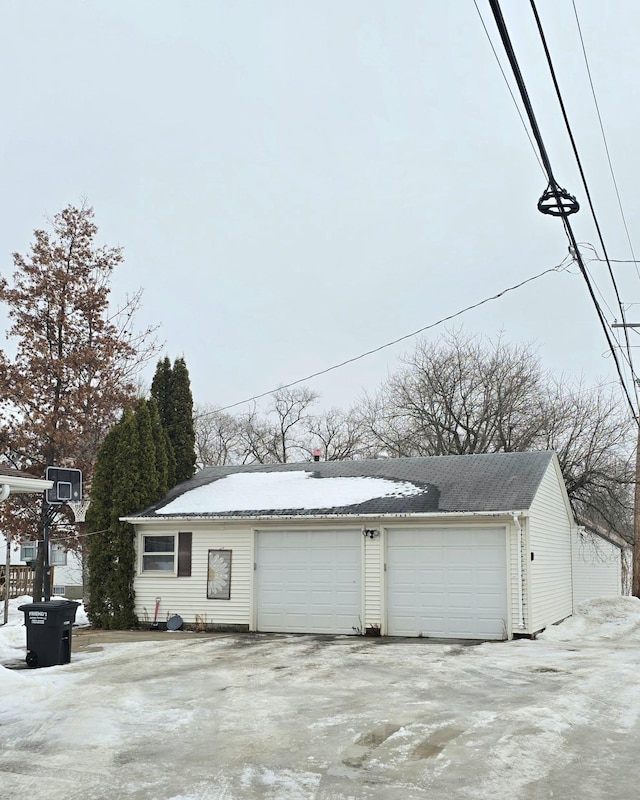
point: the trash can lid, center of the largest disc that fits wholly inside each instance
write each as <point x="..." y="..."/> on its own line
<point x="49" y="605"/>
<point x="174" y="623"/>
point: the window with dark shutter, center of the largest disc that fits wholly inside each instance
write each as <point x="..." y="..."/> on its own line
<point x="184" y="555"/>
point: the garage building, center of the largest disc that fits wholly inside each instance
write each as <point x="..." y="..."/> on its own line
<point x="465" y="547"/>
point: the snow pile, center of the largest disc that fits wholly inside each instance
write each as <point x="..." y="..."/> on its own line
<point x="254" y="491"/>
<point x="600" y="619"/>
<point x="82" y="620"/>
<point x="13" y="636"/>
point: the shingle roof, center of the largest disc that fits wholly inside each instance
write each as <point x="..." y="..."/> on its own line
<point x="483" y="482"/>
<point x="10" y="472"/>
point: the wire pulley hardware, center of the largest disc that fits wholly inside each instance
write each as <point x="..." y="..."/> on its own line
<point x="557" y="202"/>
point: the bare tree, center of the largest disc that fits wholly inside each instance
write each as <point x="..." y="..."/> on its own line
<point x="592" y="433"/>
<point x="459" y="395"/>
<point x="338" y="434"/>
<point x="279" y="435"/>
<point x="465" y="395"/>
<point x="218" y="438"/>
<point x="285" y="431"/>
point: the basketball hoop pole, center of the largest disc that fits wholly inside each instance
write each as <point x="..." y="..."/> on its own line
<point x="49" y="515"/>
<point x="46" y="575"/>
<point x="66" y="491"/>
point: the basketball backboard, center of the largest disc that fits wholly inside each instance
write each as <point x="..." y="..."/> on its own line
<point x="67" y="485"/>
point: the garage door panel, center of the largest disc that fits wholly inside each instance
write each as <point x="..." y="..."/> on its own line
<point x="308" y="582"/>
<point x="449" y="583"/>
<point x="457" y="577"/>
<point x="488" y="583"/>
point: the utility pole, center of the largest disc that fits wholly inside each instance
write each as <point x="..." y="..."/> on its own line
<point x="635" y="580"/>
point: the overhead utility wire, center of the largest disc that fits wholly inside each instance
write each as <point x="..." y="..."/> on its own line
<point x="604" y="138"/>
<point x="557" y="268"/>
<point x="506" y="80"/>
<point x="628" y="358"/>
<point x="543" y="39"/>
<point x="506" y="40"/>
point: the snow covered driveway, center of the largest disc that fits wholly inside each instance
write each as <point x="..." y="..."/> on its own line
<point x="331" y="718"/>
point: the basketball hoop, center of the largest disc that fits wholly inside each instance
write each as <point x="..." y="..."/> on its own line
<point x="67" y="485"/>
<point x="79" y="508"/>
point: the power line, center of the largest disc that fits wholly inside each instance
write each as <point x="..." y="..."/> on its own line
<point x="584" y="182"/>
<point x="557" y="268"/>
<point x="73" y="537"/>
<point x="602" y="297"/>
<point x="554" y="188"/>
<point x="604" y="138"/>
<point x="506" y="80"/>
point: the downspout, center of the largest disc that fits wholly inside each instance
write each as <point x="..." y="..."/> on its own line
<point x="516" y="522"/>
<point x="5" y="491"/>
<point x="578" y="533"/>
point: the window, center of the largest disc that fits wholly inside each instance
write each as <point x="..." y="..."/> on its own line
<point x="58" y="590"/>
<point x="158" y="553"/>
<point x="58" y="556"/>
<point x="28" y="551"/>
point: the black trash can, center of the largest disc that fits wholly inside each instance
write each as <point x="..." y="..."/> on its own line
<point x="49" y="626"/>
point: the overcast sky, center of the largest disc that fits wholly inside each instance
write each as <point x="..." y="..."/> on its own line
<point x="298" y="181"/>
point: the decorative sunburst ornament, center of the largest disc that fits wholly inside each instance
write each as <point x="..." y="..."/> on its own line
<point x="219" y="575"/>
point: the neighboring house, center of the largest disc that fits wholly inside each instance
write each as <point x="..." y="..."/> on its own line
<point x="66" y="576"/>
<point x="66" y="566"/>
<point x="470" y="547"/>
<point x="13" y="481"/>
<point x="601" y="563"/>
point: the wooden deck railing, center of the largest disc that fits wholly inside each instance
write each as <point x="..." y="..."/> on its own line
<point x="20" y="580"/>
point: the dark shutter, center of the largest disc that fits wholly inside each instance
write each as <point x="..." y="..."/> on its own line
<point x="184" y="555"/>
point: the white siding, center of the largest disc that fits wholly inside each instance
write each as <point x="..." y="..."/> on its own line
<point x="373" y="582"/>
<point x="549" y="573"/>
<point x="69" y="576"/>
<point x="188" y="596"/>
<point x="597" y="568"/>
<point x="517" y="579"/>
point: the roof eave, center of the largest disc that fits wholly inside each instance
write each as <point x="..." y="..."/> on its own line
<point x="20" y="485"/>
<point x="427" y="515"/>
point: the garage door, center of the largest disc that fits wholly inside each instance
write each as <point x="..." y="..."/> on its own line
<point x="449" y="583"/>
<point x="309" y="582"/>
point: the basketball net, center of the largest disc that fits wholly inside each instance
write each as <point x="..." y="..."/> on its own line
<point x="79" y="508"/>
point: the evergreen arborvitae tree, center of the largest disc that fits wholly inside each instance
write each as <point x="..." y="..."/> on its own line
<point x="100" y="550"/>
<point x="165" y="461"/>
<point x="125" y="501"/>
<point x="182" y="431"/>
<point x="171" y="389"/>
<point x="161" y="391"/>
<point x="131" y="474"/>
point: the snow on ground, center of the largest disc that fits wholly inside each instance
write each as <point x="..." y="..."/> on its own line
<point x="329" y="718"/>
<point x="254" y="491"/>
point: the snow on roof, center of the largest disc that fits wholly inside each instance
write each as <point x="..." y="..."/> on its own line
<point x="256" y="491"/>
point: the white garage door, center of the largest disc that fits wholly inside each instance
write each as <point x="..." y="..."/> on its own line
<point x="449" y="583"/>
<point x="309" y="582"/>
